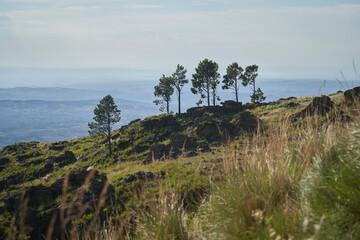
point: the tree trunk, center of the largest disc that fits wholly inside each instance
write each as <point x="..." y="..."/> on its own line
<point x="254" y="92"/>
<point x="109" y="135"/>
<point x="208" y="94"/>
<point x="179" y="101"/>
<point x="167" y="106"/>
<point x="236" y="91"/>
<point x="214" y="97"/>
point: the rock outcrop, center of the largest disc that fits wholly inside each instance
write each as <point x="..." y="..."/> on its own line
<point x="352" y="96"/>
<point x="319" y="106"/>
<point x="64" y="159"/>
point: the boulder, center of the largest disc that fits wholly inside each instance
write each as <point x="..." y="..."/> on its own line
<point x="24" y="157"/>
<point x="58" y="146"/>
<point x="156" y="152"/>
<point x="11" y="202"/>
<point x="77" y="178"/>
<point x="134" y="121"/>
<point x="3" y="184"/>
<point x="64" y="159"/>
<point x="352" y="96"/>
<point x="140" y="147"/>
<point x="115" y="136"/>
<point x="286" y="99"/>
<point x="319" y="106"/>
<point x="39" y="194"/>
<point x="178" y="144"/>
<point x="182" y="142"/>
<point x="123" y="144"/>
<point x="190" y="154"/>
<point x="195" y="112"/>
<point x="251" y="105"/>
<point x="143" y="176"/>
<point x="204" y="147"/>
<point x="209" y="131"/>
<point x="292" y="105"/>
<point x="202" y="119"/>
<point x="14" y="179"/>
<point x="3" y="162"/>
<point x="227" y="107"/>
<point x="232" y="106"/>
<point x="245" y="122"/>
<point x="48" y="167"/>
<point x="162" y="121"/>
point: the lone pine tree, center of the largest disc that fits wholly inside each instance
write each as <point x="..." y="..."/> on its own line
<point x="106" y="113"/>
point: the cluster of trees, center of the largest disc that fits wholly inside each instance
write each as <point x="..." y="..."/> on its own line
<point x="205" y="81"/>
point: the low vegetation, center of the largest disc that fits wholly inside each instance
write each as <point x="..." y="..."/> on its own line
<point x="282" y="170"/>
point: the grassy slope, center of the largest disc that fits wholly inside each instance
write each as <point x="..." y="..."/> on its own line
<point x="289" y="182"/>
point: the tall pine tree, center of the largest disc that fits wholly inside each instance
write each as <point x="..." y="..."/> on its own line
<point x="180" y="80"/>
<point x="232" y="78"/>
<point x="205" y="80"/>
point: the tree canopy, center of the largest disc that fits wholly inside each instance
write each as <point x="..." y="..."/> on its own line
<point x="106" y="113"/>
<point x="205" y="80"/>
<point x="179" y="80"/>
<point x="164" y="90"/>
<point x="249" y="79"/>
<point x="234" y="73"/>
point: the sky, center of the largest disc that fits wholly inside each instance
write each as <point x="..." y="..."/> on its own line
<point x="297" y="38"/>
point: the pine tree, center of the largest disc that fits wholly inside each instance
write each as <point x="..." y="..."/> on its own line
<point x="179" y="81"/>
<point x="106" y="113"/>
<point x="205" y="80"/>
<point x="249" y="79"/>
<point x="164" y="90"/>
<point x="232" y="78"/>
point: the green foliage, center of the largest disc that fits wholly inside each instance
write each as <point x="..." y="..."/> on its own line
<point x="287" y="182"/>
<point x="249" y="79"/>
<point x="106" y="113"/>
<point x="179" y="81"/>
<point x="164" y="90"/>
<point x="250" y="75"/>
<point x="160" y="103"/>
<point x="167" y="221"/>
<point x="257" y="96"/>
<point x="233" y="75"/>
<point x="205" y="80"/>
<point x="335" y="192"/>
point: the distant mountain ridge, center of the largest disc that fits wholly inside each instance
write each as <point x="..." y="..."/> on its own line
<point x="39" y="120"/>
<point x="59" y="113"/>
<point x="49" y="94"/>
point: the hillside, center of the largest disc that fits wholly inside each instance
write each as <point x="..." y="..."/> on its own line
<point x="282" y="170"/>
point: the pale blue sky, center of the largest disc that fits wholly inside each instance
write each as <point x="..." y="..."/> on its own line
<point x="285" y="38"/>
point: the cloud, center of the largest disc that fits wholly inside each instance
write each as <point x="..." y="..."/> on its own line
<point x="28" y="1"/>
<point x="142" y="6"/>
<point x="5" y="27"/>
<point x="102" y="37"/>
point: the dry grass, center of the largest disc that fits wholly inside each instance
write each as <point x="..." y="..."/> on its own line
<point x="283" y="182"/>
